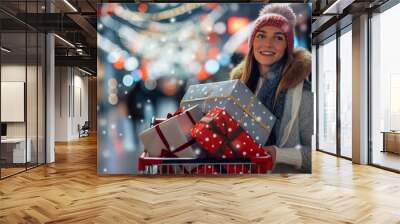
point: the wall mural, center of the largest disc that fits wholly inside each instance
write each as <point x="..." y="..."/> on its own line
<point x="168" y="88"/>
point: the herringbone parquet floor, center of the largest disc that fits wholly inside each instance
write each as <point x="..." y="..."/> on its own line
<point x="70" y="191"/>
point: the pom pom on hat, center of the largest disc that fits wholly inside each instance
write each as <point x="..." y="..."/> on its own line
<point x="280" y="9"/>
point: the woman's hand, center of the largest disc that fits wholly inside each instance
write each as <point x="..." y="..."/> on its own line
<point x="272" y="151"/>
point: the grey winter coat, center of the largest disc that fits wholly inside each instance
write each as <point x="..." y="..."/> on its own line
<point x="293" y="136"/>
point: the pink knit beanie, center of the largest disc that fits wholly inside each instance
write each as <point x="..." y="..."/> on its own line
<point x="277" y="15"/>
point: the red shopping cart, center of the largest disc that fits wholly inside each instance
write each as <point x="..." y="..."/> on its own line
<point x="207" y="166"/>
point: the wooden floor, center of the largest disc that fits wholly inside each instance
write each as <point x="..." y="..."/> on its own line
<point x="70" y="191"/>
<point x="5" y="172"/>
<point x="387" y="159"/>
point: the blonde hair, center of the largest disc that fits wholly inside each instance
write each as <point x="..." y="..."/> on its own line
<point x="248" y="64"/>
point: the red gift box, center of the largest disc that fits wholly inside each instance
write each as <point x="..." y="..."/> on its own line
<point x="263" y="164"/>
<point x="222" y="137"/>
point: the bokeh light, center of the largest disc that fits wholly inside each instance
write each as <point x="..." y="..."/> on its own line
<point x="213" y="52"/>
<point x="220" y="28"/>
<point x="113" y="99"/>
<point x="119" y="63"/>
<point x="212" y="66"/>
<point x="150" y="84"/>
<point x="143" y="7"/>
<point x="202" y="74"/>
<point x="224" y="59"/>
<point x="235" y="23"/>
<point x="112" y="83"/>
<point x="127" y="80"/>
<point x="113" y="56"/>
<point x="131" y="64"/>
<point x="136" y="75"/>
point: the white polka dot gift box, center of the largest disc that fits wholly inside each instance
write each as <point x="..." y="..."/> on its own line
<point x="222" y="137"/>
<point x="172" y="137"/>
<point x="238" y="101"/>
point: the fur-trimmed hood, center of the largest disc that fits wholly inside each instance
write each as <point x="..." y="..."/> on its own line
<point x="297" y="69"/>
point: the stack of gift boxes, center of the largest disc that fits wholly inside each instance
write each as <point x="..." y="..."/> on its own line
<point x="221" y="120"/>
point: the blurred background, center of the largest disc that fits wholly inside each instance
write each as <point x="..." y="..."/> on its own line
<point x="148" y="55"/>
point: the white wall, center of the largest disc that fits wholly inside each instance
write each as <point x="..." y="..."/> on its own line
<point x="33" y="127"/>
<point x="71" y="93"/>
<point x="61" y="103"/>
<point x="10" y="73"/>
<point x="16" y="73"/>
<point x="80" y="100"/>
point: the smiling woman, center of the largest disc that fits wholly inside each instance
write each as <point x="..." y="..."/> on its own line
<point x="269" y="47"/>
<point x="278" y="74"/>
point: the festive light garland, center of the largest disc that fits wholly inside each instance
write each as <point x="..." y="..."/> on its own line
<point x="166" y="14"/>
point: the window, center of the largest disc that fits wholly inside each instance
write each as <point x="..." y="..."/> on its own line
<point x="22" y="74"/>
<point x="385" y="87"/>
<point x="346" y="93"/>
<point x="327" y="96"/>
